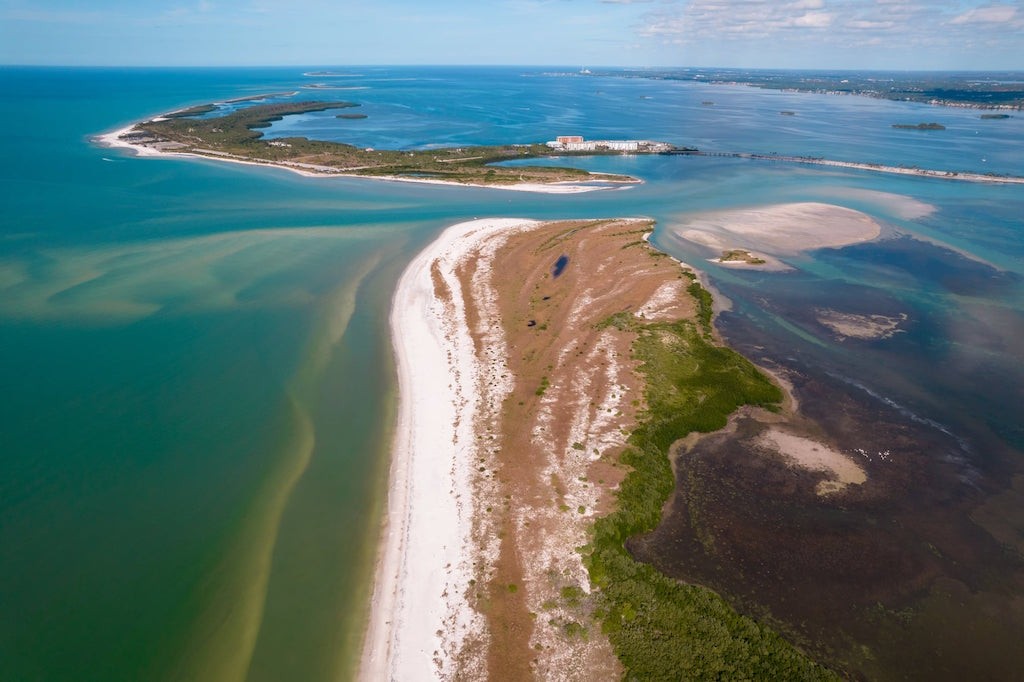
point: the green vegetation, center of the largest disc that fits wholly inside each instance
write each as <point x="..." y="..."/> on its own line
<point x="237" y="135"/>
<point x="705" y="306"/>
<point x="663" y="629"/>
<point x="919" y="126"/>
<point x="574" y="630"/>
<point x="234" y="129"/>
<point x="192" y="111"/>
<point x="740" y="256"/>
<point x="572" y="596"/>
<point x="544" y="385"/>
<point x="622" y="321"/>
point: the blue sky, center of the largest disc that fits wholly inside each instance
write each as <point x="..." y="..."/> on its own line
<point x="856" y="34"/>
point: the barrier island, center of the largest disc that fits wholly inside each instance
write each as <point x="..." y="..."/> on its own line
<point x="237" y="136"/>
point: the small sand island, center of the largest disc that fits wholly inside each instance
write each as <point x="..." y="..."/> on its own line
<point x="741" y="256"/>
<point x="236" y="137"/>
<point x="919" y="126"/>
<point x="757" y="237"/>
<point x="545" y="370"/>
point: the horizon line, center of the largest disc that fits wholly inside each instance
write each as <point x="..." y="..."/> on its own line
<point x="502" y="65"/>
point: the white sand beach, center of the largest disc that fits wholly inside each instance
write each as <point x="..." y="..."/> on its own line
<point x="420" y="616"/>
<point x="115" y="140"/>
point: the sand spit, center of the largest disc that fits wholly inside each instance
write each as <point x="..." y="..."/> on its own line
<point x="116" y="140"/>
<point x="966" y="176"/>
<point x="514" y="407"/>
<point x="767" y="232"/>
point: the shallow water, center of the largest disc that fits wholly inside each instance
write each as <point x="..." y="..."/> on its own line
<point x="197" y="374"/>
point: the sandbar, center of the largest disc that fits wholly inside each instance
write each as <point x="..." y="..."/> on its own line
<point x="815" y="456"/>
<point x="767" y="232"/>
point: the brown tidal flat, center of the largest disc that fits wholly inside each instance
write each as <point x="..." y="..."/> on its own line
<point x="552" y="464"/>
<point x="885" y="578"/>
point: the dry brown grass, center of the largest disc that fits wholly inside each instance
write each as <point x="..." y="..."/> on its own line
<point x="550" y="461"/>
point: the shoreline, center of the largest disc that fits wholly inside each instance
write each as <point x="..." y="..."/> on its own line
<point x="419" y="616"/>
<point x="966" y="176"/>
<point x="113" y="140"/>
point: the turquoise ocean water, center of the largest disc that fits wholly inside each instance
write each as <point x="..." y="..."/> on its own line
<point x="194" y="358"/>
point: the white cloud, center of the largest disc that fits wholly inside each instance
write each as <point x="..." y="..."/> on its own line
<point x="837" y="24"/>
<point x="992" y="14"/>
<point x="862" y="24"/>
<point x="813" y="20"/>
<point x="707" y="19"/>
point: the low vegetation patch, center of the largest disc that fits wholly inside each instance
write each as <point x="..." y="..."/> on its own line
<point x="662" y="629"/>
<point x="740" y="256"/>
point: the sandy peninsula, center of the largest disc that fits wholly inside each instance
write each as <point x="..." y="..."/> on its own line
<point x="514" y="405"/>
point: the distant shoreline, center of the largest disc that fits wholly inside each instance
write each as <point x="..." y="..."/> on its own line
<point x="877" y="168"/>
<point x="941" y="89"/>
<point x="115" y="140"/>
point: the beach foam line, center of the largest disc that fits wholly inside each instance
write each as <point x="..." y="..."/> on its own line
<point x="419" y="613"/>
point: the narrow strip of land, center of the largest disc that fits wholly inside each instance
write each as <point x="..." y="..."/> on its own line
<point x="875" y="167"/>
